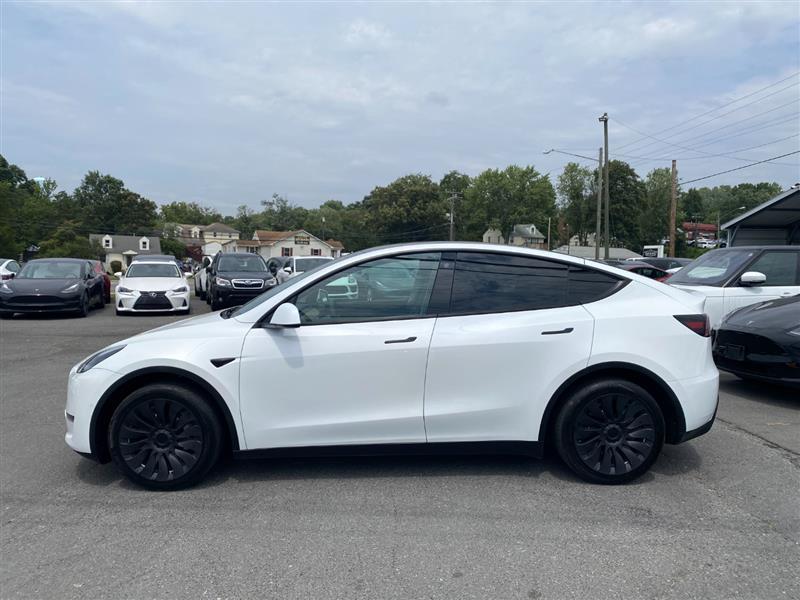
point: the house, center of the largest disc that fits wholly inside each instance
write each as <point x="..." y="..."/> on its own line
<point x="775" y="222"/>
<point x="699" y="230"/>
<point x="521" y="235"/>
<point x="290" y="243"/>
<point x="123" y="248"/>
<point x="207" y="240"/>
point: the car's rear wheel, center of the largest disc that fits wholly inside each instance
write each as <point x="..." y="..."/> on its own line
<point x="165" y="437"/>
<point x="610" y="431"/>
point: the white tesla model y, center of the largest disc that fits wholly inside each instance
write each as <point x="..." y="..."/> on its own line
<point x="438" y="347"/>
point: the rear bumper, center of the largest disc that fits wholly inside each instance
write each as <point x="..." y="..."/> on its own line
<point x="699" y="399"/>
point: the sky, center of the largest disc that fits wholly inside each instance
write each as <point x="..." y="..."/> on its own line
<point x="227" y="103"/>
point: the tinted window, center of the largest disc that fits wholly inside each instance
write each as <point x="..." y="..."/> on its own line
<point x="13" y="267"/>
<point x="491" y="283"/>
<point x="245" y="264"/>
<point x="51" y="270"/>
<point x="307" y="264"/>
<point x="779" y="267"/>
<point x="397" y="287"/>
<point x="713" y="268"/>
<point x="588" y="285"/>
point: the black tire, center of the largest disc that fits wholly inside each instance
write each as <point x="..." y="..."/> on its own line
<point x="101" y="299"/>
<point x="216" y="304"/>
<point x="83" y="309"/>
<point x="165" y="437"/>
<point x="6" y="315"/>
<point x="610" y="431"/>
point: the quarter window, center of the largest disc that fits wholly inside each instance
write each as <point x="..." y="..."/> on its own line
<point x="493" y="283"/>
<point x="388" y="288"/>
<point x="779" y="267"/>
<point x="588" y="285"/>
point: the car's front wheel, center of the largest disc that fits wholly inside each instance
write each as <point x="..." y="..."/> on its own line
<point x="84" y="306"/>
<point x="610" y="431"/>
<point x="165" y="437"/>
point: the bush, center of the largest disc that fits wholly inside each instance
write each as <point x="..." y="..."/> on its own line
<point x="116" y="266"/>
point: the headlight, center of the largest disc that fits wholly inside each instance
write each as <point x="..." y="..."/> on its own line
<point x="222" y="282"/>
<point x="123" y="290"/>
<point x="4" y="289"/>
<point x="795" y="331"/>
<point x="70" y="289"/>
<point x="181" y="289"/>
<point x="98" y="357"/>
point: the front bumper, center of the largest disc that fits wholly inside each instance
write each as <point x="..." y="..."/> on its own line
<point x="83" y="392"/>
<point x="234" y="296"/>
<point x="33" y="304"/>
<point x="145" y="302"/>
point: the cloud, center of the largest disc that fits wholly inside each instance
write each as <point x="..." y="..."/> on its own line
<point x="365" y="33"/>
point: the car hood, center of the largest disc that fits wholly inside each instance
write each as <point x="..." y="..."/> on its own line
<point x="245" y="275"/>
<point x="151" y="284"/>
<point x="780" y="314"/>
<point x="40" y="286"/>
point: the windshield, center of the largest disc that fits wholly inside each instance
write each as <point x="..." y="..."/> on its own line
<point x="713" y="268"/>
<point x="272" y="291"/>
<point x="51" y="270"/>
<point x="153" y="270"/>
<point x="246" y="264"/>
<point x="307" y="264"/>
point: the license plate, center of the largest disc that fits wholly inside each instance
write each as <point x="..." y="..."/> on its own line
<point x="733" y="351"/>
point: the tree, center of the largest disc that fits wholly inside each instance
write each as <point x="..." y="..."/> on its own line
<point x="408" y="209"/>
<point x="626" y="198"/>
<point x="281" y="215"/>
<point x="108" y="207"/>
<point x="501" y="199"/>
<point x="66" y="241"/>
<point x="576" y="197"/>
<point x="188" y="212"/>
<point x="170" y="245"/>
<point x="692" y="204"/>
<point x="654" y="218"/>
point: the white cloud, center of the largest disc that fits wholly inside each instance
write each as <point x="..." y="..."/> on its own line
<point x="365" y="33"/>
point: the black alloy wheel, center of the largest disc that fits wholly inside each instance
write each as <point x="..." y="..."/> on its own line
<point x="83" y="308"/>
<point x="165" y="437"/>
<point x="610" y="431"/>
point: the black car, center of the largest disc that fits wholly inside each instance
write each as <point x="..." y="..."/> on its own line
<point x="53" y="285"/>
<point x="762" y="341"/>
<point x="236" y="277"/>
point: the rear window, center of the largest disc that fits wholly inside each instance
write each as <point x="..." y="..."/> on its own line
<point x="714" y="268"/>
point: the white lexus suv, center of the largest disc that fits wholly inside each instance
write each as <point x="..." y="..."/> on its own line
<point x="484" y="347"/>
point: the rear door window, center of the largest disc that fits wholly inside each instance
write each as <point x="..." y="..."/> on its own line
<point x="485" y="282"/>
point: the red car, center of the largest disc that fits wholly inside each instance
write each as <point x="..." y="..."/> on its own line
<point x="98" y="268"/>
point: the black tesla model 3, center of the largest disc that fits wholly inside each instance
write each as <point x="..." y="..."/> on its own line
<point x="52" y="285"/>
<point x="762" y="342"/>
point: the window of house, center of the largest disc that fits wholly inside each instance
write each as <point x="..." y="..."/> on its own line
<point x="107" y="242"/>
<point x="144" y="244"/>
<point x="494" y="283"/>
<point x="398" y="287"/>
<point x="286" y="251"/>
<point x="316" y="252"/>
<point x="779" y="267"/>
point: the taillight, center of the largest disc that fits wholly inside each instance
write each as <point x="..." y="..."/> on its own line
<point x="697" y="323"/>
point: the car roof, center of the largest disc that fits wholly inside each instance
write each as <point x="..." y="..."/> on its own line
<point x="54" y="259"/>
<point x="153" y="258"/>
<point x="729" y="248"/>
<point x="239" y="254"/>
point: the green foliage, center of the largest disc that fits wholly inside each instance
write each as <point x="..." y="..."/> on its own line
<point x="502" y="199"/>
<point x="578" y="201"/>
<point x="66" y="242"/>
<point x="692" y="206"/>
<point x="627" y="194"/>
<point x="725" y="201"/>
<point x="108" y="207"/>
<point x="170" y="245"/>
<point x="654" y="217"/>
<point x="116" y="266"/>
<point x="189" y="212"/>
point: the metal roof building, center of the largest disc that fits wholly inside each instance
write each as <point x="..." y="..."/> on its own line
<point x="776" y="222"/>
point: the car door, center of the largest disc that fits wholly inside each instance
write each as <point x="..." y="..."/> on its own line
<point x="512" y="334"/>
<point x="782" y="269"/>
<point x="353" y="372"/>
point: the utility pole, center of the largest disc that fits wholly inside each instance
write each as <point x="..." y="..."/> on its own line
<point x="673" y="208"/>
<point x="548" y="233"/>
<point x="604" y="121"/>
<point x="599" y="204"/>
<point x="453" y="196"/>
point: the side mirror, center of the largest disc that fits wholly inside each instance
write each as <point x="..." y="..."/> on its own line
<point x="752" y="278"/>
<point x="285" y="316"/>
<point x="118" y="274"/>
<point x="287" y="269"/>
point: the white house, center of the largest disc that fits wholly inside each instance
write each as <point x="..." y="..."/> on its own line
<point x="123" y="248"/>
<point x="207" y="240"/>
<point x="521" y="235"/>
<point x="290" y="243"/>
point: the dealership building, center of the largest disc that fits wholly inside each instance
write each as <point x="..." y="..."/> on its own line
<point x="776" y="222"/>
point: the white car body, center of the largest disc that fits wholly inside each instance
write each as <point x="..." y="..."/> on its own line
<point x="8" y="268"/>
<point x="152" y="294"/>
<point x="703" y="243"/>
<point x="729" y="295"/>
<point x="455" y="378"/>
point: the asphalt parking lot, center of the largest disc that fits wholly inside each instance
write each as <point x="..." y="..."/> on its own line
<point x="718" y="517"/>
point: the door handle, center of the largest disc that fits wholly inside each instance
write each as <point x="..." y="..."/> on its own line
<point x="404" y="341"/>
<point x="565" y="330"/>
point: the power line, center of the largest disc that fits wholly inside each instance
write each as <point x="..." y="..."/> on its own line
<point x="742" y="167"/>
<point x="695" y="127"/>
<point x="722" y="155"/>
<point x="734" y="101"/>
